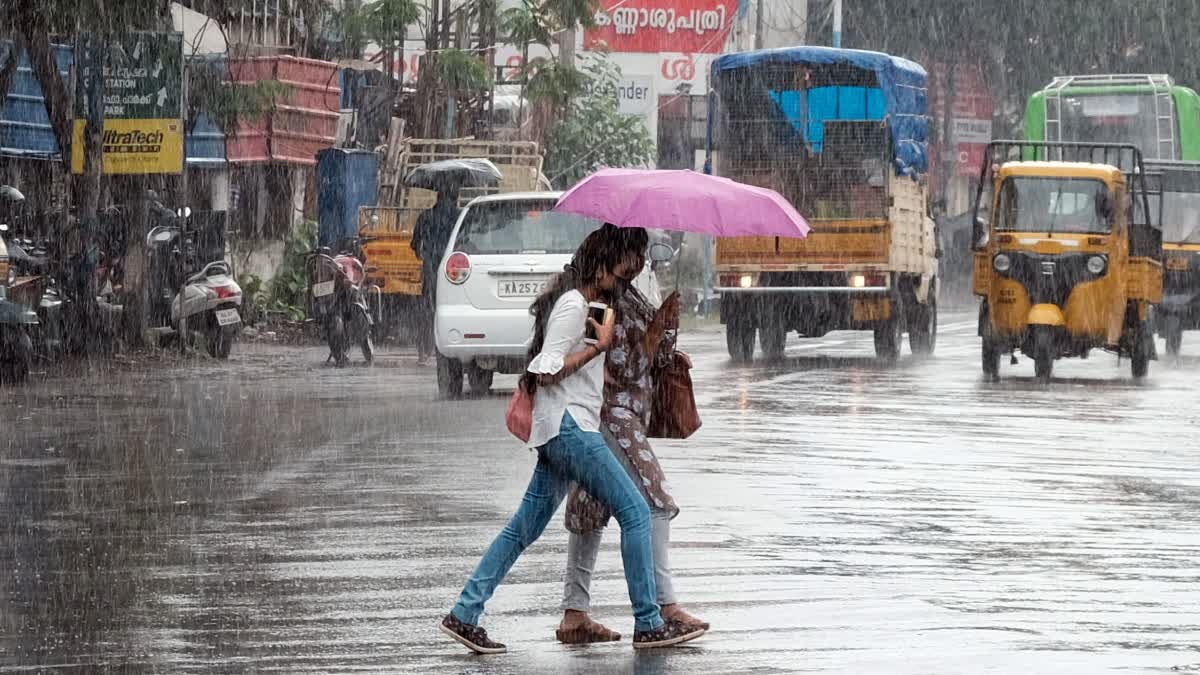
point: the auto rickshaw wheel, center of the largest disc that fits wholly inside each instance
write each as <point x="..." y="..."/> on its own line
<point x="1142" y="348"/>
<point x="991" y="359"/>
<point x="1172" y="331"/>
<point x="1043" y="352"/>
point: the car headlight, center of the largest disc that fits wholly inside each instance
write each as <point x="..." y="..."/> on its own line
<point x="1097" y="264"/>
<point x="1002" y="263"/>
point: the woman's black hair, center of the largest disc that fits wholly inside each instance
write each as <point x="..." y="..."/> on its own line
<point x="602" y="251"/>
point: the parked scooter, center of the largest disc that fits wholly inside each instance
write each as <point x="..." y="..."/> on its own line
<point x="337" y="300"/>
<point x="210" y="300"/>
<point x="36" y="287"/>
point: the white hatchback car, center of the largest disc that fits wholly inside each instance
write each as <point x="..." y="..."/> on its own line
<point x="503" y="252"/>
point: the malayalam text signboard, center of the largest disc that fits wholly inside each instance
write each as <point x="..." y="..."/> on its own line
<point x="652" y="26"/>
<point x="143" y="102"/>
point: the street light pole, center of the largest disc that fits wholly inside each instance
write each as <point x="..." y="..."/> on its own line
<point x="837" y="24"/>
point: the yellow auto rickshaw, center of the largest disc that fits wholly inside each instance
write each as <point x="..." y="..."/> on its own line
<point x="1068" y="254"/>
<point x="1179" y="310"/>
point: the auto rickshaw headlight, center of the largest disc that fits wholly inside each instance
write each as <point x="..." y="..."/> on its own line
<point x="1001" y="263"/>
<point x="1097" y="264"/>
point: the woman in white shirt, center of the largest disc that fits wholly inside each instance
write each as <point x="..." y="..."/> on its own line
<point x="566" y="378"/>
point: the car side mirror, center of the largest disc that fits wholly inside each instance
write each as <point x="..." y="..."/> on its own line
<point x="661" y="253"/>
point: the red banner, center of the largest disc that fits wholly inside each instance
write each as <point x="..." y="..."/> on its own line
<point x="651" y="26"/>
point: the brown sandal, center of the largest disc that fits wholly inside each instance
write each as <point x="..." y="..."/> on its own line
<point x="588" y="633"/>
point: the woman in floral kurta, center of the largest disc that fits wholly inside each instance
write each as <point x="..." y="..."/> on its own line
<point x="644" y="340"/>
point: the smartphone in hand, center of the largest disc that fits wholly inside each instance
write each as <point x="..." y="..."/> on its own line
<point x="598" y="312"/>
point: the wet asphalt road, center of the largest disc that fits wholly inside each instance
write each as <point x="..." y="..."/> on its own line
<point x="274" y="515"/>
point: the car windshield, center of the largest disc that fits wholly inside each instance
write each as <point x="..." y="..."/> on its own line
<point x="518" y="226"/>
<point x="1051" y="204"/>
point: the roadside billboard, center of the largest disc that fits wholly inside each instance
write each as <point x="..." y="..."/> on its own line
<point x="143" y="102"/>
<point x="653" y="26"/>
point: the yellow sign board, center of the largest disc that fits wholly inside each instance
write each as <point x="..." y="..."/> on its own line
<point x="134" y="146"/>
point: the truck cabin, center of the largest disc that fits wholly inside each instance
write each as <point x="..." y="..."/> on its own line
<point x="819" y="126"/>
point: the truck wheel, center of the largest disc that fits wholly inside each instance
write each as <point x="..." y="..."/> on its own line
<point x="1172" y="331"/>
<point x="449" y="377"/>
<point x="1043" y="352"/>
<point x="480" y="379"/>
<point x="739" y="338"/>
<point x="922" y="329"/>
<point x="887" y="340"/>
<point x="773" y="337"/>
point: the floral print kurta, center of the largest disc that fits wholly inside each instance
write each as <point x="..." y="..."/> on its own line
<point x="625" y="416"/>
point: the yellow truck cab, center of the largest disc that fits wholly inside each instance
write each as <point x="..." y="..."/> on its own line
<point x="1067" y="254"/>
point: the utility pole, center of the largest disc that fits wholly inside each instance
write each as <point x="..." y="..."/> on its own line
<point x="837" y="24"/>
<point x="759" y="24"/>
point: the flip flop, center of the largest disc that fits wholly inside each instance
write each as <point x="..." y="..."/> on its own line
<point x="586" y="634"/>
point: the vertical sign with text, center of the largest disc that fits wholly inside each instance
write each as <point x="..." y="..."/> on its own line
<point x="143" y="101"/>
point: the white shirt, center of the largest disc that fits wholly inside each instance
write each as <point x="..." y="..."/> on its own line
<point x="580" y="393"/>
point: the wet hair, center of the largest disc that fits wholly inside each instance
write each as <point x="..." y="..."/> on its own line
<point x="602" y="251"/>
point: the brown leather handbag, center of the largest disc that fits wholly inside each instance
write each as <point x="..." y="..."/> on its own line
<point x="673" y="413"/>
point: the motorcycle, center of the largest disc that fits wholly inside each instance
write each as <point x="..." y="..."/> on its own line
<point x="17" y="321"/>
<point x="337" y="301"/>
<point x="210" y="301"/>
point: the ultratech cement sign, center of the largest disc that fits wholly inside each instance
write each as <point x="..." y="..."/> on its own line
<point x="143" y="102"/>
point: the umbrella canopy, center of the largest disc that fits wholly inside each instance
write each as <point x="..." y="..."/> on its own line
<point x="684" y="201"/>
<point x="450" y="174"/>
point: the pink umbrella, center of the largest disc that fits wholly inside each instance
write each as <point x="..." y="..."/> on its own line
<point x="683" y="201"/>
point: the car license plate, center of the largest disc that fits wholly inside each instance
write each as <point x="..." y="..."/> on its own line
<point x="522" y="288"/>
<point x="322" y="289"/>
<point x="226" y="317"/>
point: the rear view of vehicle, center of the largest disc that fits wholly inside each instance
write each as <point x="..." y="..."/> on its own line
<point x="1179" y="310"/>
<point x="841" y="135"/>
<point x="504" y="252"/>
<point x="337" y="301"/>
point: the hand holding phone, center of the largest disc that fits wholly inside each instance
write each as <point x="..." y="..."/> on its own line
<point x="601" y="324"/>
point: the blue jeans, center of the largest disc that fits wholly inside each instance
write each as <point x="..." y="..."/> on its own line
<point x="583" y="457"/>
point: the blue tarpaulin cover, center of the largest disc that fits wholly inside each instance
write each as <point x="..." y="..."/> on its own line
<point x="902" y="84"/>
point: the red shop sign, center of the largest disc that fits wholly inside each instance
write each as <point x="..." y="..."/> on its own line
<point x="651" y="26"/>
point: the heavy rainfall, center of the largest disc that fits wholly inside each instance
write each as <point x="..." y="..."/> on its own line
<point x="335" y="334"/>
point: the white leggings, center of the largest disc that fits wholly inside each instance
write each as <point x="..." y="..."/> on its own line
<point x="582" y="550"/>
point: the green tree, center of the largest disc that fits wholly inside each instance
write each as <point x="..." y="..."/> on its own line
<point x="595" y="134"/>
<point x="525" y="25"/>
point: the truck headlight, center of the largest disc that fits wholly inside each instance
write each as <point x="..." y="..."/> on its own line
<point x="746" y="281"/>
<point x="1001" y="263"/>
<point x="1097" y="264"/>
<point x="858" y="281"/>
